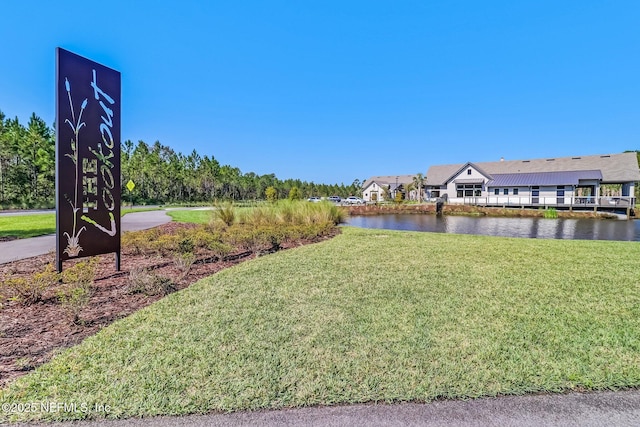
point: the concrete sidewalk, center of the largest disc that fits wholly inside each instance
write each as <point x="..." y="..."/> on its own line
<point x="27" y="248"/>
<point x="621" y="408"/>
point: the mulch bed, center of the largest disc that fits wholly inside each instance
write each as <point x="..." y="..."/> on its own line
<point x="31" y="335"/>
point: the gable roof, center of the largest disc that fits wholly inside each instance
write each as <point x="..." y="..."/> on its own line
<point x="615" y="168"/>
<point x="466" y="166"/>
<point x="389" y="180"/>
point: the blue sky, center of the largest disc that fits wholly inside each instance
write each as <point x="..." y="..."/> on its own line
<point x="330" y="91"/>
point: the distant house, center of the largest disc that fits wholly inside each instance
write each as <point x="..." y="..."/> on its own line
<point x="588" y="181"/>
<point x="375" y="188"/>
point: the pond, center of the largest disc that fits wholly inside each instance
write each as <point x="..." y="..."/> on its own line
<point x="541" y="228"/>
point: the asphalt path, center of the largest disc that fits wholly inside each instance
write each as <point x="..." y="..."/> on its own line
<point x="621" y="408"/>
<point x="26" y="248"/>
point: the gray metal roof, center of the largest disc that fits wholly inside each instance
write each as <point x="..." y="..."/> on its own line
<point x="615" y="168"/>
<point x="543" y="178"/>
<point x="469" y="181"/>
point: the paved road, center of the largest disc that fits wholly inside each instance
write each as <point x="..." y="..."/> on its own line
<point x="17" y="212"/>
<point x="575" y="409"/>
<point x="26" y="248"/>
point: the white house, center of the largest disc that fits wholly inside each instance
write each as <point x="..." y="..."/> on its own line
<point x="375" y="188"/>
<point x="603" y="180"/>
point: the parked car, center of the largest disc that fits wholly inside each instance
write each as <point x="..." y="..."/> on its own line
<point x="353" y="200"/>
<point x="314" y="199"/>
<point x="334" y="199"/>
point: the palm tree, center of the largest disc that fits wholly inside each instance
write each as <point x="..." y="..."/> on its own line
<point x="418" y="183"/>
<point x="408" y="190"/>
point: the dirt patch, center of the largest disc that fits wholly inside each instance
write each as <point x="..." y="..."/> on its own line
<point x="31" y="335"/>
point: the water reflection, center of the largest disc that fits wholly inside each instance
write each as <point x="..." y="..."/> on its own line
<point x="540" y="228"/>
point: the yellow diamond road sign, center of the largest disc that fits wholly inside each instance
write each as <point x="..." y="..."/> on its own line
<point x="130" y="185"/>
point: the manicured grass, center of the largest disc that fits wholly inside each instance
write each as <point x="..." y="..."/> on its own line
<point x="195" y="216"/>
<point x="23" y="226"/>
<point x="371" y="315"/>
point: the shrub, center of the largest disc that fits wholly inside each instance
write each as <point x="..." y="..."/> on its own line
<point x="186" y="246"/>
<point x="82" y="273"/>
<point x="78" y="283"/>
<point x="294" y="194"/>
<point x="271" y="194"/>
<point x="73" y="299"/>
<point x="203" y="237"/>
<point x="219" y="249"/>
<point x="254" y="239"/>
<point x="398" y="197"/>
<point x="162" y="286"/>
<point x="30" y="290"/>
<point x="166" y="244"/>
<point x="140" y="242"/>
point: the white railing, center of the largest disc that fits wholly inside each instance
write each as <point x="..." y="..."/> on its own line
<point x="588" y="201"/>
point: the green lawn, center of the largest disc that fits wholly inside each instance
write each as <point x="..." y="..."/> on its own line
<point x="202" y="216"/>
<point x="23" y="226"/>
<point x="371" y="315"/>
<point x="190" y="215"/>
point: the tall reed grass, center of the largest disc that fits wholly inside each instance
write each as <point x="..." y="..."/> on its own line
<point x="292" y="212"/>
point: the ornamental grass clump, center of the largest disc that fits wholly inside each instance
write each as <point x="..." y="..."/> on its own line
<point x="225" y="212"/>
<point x="183" y="262"/>
<point x="141" y="281"/>
<point x="294" y="212"/>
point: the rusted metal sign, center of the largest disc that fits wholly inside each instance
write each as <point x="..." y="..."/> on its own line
<point x="87" y="158"/>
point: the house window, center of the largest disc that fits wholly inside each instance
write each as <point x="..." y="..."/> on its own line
<point x="469" y="190"/>
<point x="496" y="191"/>
<point x="506" y="192"/>
<point x="468" y="171"/>
<point x="515" y="191"/>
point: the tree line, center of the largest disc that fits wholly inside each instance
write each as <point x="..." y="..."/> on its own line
<point x="161" y="175"/>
